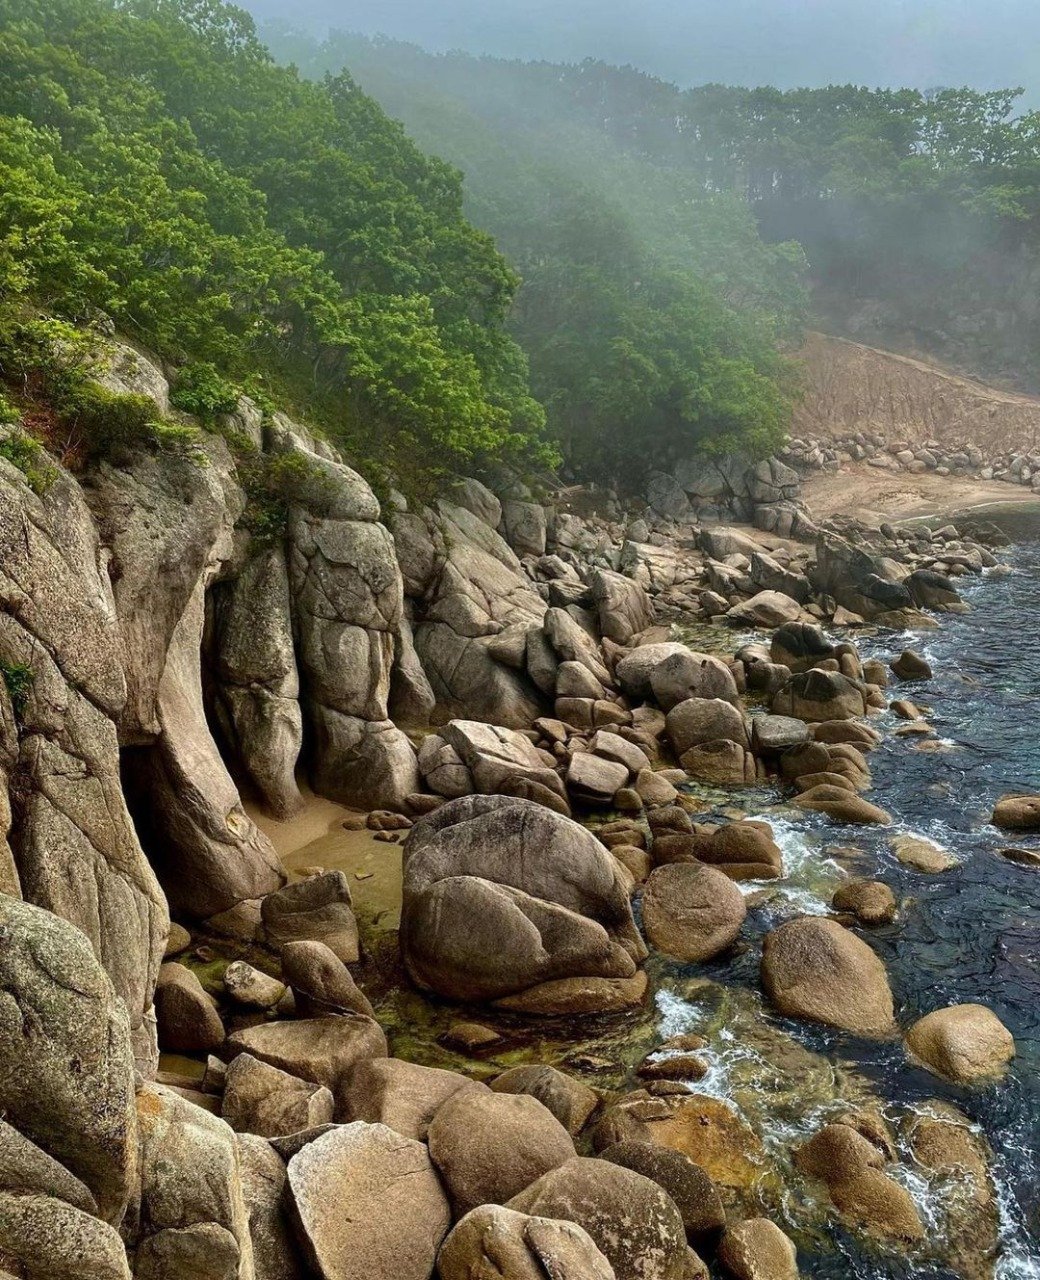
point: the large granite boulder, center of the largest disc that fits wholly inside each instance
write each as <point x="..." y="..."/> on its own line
<point x="696" y="721"/>
<point x="814" y="968"/>
<point x="369" y="764"/>
<point x="264" y="1100"/>
<point x="489" y="1146"/>
<point x="765" y="609"/>
<point x="495" y="1241"/>
<point x="570" y="1100"/>
<point x="965" y="1043"/>
<point x="863" y="1193"/>
<point x="469" y="587"/>
<point x="623" y="606"/>
<point x="348" y="608"/>
<point x="687" y="674"/>
<point x="66" y="1063"/>
<point x="367" y="1202"/>
<point x="635" y="671"/>
<point x="692" y="912"/>
<point x="189" y="1216"/>
<point x="497" y="757"/>
<point x="858" y="581"/>
<point x="404" y="1096"/>
<point x="264" y="1188"/>
<point x="501" y="895"/>
<point x="42" y="1238"/>
<point x="635" y="1224"/>
<point x="799" y="646"/>
<point x="821" y="695"/>
<point x="321" y="1050"/>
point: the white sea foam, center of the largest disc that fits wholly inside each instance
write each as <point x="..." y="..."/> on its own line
<point x="809" y="878"/>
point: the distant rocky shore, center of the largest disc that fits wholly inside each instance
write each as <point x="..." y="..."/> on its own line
<point x="519" y="689"/>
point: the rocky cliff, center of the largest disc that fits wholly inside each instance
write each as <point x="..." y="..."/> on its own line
<point x="483" y="667"/>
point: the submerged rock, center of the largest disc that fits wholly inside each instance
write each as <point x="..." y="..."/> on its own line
<point x="922" y="854"/>
<point x="870" y="901"/>
<point x="1017" y="813"/>
<point x="853" y="1170"/>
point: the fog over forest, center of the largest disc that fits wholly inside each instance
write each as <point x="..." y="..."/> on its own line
<point x="924" y="43"/>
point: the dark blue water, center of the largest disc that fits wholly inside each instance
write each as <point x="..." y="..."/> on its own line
<point x="972" y="934"/>
<point x="968" y="935"/>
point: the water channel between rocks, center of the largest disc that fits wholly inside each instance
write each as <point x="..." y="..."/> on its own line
<point x="969" y="934"/>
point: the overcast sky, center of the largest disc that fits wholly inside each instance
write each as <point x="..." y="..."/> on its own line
<point x="924" y="43"/>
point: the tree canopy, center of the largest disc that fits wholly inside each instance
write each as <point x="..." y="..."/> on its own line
<point x="156" y="165"/>
<point x="651" y="310"/>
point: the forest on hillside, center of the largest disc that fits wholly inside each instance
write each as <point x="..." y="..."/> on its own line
<point x="160" y="174"/>
<point x="651" y="310"/>
<point x="918" y="213"/>
<point x="277" y="232"/>
<point x="540" y="263"/>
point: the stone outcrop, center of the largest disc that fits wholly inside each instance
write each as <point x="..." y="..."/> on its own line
<point x="167" y="524"/>
<point x="501" y="895"/>
<point x="258" y="684"/>
<point x="72" y="846"/>
<point x="348" y="609"/>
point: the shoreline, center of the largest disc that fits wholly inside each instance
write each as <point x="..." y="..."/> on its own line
<point x="876" y="497"/>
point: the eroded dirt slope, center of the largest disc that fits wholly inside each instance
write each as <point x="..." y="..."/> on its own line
<point x="851" y="387"/>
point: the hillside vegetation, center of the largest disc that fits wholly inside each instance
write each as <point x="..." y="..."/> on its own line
<point x="160" y="173"/>
<point x="651" y="309"/>
<point x="919" y="213"/>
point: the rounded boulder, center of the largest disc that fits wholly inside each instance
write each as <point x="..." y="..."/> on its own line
<point x="966" y="1044"/>
<point x="692" y="912"/>
<point x="815" y="969"/>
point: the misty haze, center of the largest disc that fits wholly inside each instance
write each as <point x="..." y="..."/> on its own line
<point x="519" y="576"/>
<point x="789" y="43"/>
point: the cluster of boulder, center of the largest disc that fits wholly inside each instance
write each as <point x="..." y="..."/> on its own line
<point x="472" y="674"/>
<point x="311" y="1152"/>
<point x="942" y="458"/>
